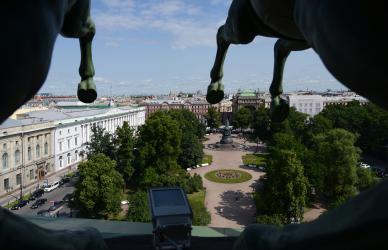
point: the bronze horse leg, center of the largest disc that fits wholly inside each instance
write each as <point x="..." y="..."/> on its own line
<point x="215" y="91"/>
<point x="79" y="24"/>
<point x="279" y="107"/>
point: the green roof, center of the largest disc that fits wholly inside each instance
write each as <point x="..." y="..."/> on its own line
<point x="247" y="93"/>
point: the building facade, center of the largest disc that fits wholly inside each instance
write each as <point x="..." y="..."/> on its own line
<point x="248" y="99"/>
<point x="308" y="104"/>
<point x="73" y="130"/>
<point x="26" y="153"/>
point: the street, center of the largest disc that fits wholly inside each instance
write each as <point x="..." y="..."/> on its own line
<point x="55" y="195"/>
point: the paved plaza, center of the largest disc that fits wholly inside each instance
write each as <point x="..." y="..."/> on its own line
<point x="230" y="205"/>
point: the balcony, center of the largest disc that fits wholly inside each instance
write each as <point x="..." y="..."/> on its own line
<point x="121" y="235"/>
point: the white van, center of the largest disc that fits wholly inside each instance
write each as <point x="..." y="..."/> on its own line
<point x="51" y="187"/>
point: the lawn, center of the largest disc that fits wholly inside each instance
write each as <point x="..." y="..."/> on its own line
<point x="256" y="159"/>
<point x="212" y="176"/>
<point x="197" y="202"/>
<point x="9" y="205"/>
<point x="207" y="159"/>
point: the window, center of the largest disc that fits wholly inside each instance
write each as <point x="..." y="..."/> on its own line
<point x="5" y="160"/>
<point x="4" y="146"/>
<point x="37" y="151"/>
<point x="75" y="129"/>
<point x="60" y="132"/>
<point x="60" y="146"/>
<point x="60" y="161"/>
<point x="32" y="174"/>
<point x="17" y="157"/>
<point x="76" y="156"/>
<point x="6" y="184"/>
<point x="68" y="144"/>
<point x="29" y="153"/>
<point x="46" y="148"/>
<point x="76" y="141"/>
<point x="16" y="143"/>
<point x="68" y="131"/>
<point x="18" y="179"/>
<point x="68" y="158"/>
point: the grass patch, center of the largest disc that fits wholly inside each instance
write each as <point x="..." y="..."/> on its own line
<point x="242" y="176"/>
<point x="9" y="205"/>
<point x="207" y="159"/>
<point x="201" y="217"/>
<point x="256" y="159"/>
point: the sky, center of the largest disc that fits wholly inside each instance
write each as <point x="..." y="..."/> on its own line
<point x="158" y="46"/>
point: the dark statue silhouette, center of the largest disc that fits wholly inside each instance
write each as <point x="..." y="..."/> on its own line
<point x="348" y="35"/>
<point x="29" y="30"/>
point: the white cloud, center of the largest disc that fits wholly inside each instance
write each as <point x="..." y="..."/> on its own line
<point x="187" y="23"/>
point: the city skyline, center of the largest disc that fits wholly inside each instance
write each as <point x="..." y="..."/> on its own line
<point x="154" y="47"/>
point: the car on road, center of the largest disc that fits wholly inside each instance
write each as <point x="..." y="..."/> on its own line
<point x="57" y="205"/>
<point x="68" y="197"/>
<point x="364" y="165"/>
<point x="45" y="213"/>
<point x="36" y="194"/>
<point x="19" y="205"/>
<point x="38" y="203"/>
<point x="52" y="186"/>
<point x="64" y="180"/>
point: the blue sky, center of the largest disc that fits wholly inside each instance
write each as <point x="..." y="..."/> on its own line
<point x="158" y="46"/>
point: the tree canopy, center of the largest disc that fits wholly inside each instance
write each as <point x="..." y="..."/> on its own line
<point x="99" y="187"/>
<point x="242" y="118"/>
<point x="213" y="118"/>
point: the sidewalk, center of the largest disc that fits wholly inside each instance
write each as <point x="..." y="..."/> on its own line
<point x="11" y="196"/>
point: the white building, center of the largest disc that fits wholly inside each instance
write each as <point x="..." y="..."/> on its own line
<point x="73" y="129"/>
<point x="308" y="104"/>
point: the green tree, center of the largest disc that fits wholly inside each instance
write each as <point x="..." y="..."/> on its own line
<point x="242" y="118"/>
<point x="336" y="151"/>
<point x="99" y="187"/>
<point x="124" y="143"/>
<point x="285" y="187"/>
<point x="100" y="142"/>
<point x="158" y="148"/>
<point x="261" y="124"/>
<point x="138" y="209"/>
<point x="213" y="118"/>
<point x="365" y="178"/>
<point x="191" y="145"/>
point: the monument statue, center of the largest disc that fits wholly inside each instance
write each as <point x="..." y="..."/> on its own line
<point x="227" y="134"/>
<point x="349" y="37"/>
<point x="29" y="30"/>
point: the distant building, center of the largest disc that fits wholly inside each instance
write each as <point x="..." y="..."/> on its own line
<point x="198" y="107"/>
<point x="312" y="104"/>
<point x="73" y="129"/>
<point x="248" y="99"/>
<point x="308" y="104"/>
<point x="26" y="149"/>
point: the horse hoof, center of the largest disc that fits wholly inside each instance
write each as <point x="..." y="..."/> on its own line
<point x="215" y="93"/>
<point x="279" y="109"/>
<point x="87" y="91"/>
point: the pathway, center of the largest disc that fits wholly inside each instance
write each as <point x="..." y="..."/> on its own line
<point x="220" y="200"/>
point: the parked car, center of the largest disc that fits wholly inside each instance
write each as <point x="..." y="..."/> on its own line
<point x="36" y="194"/>
<point x="19" y="205"/>
<point x="68" y="197"/>
<point x="64" y="180"/>
<point x="52" y="186"/>
<point x="364" y="165"/>
<point x="38" y="203"/>
<point x="57" y="205"/>
<point x="45" y="213"/>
